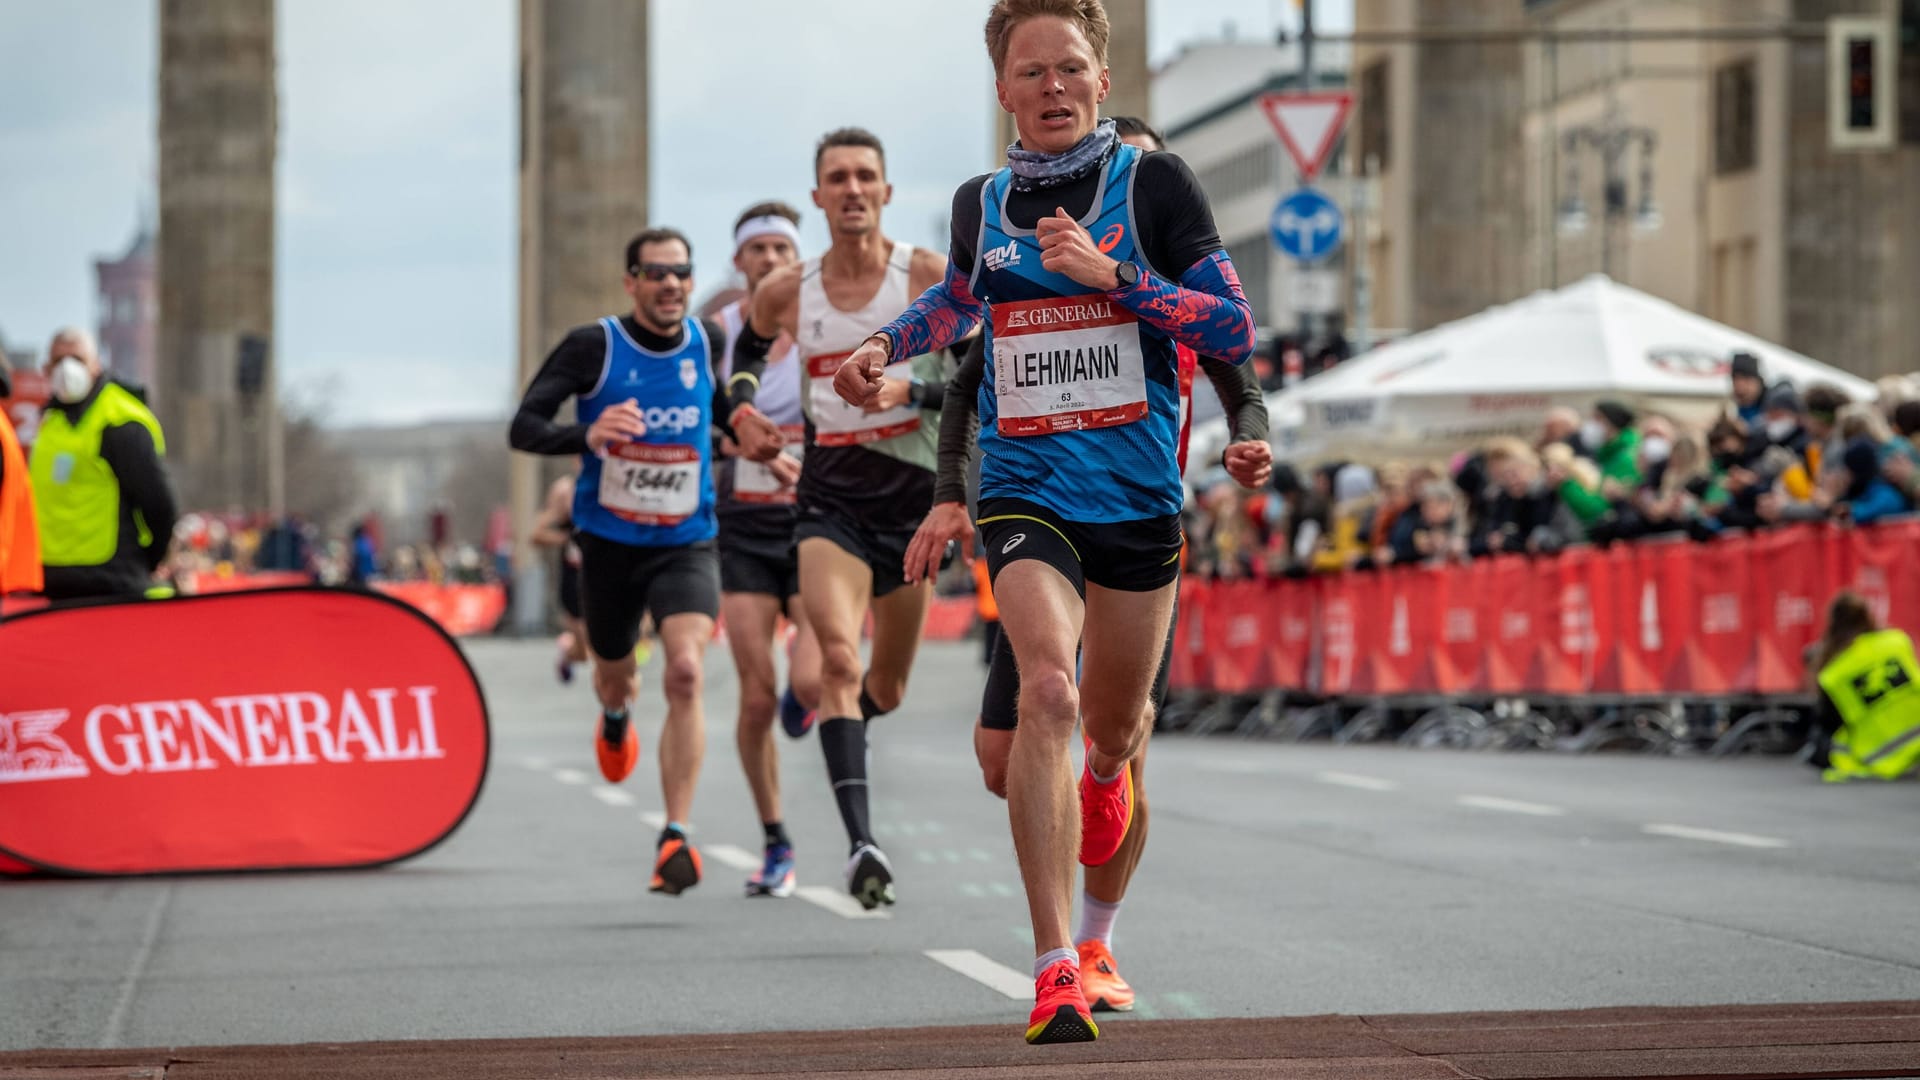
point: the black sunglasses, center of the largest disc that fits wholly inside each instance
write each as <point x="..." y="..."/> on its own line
<point x="658" y="272"/>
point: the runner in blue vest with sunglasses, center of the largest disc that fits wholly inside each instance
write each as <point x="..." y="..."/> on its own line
<point x="643" y="511"/>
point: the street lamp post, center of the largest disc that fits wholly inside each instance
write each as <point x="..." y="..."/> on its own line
<point x="1612" y="141"/>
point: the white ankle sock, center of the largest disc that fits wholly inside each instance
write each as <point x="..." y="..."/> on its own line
<point x="1096" y="920"/>
<point x="1046" y="960"/>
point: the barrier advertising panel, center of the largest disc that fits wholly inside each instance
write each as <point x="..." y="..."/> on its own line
<point x="1647" y="620"/>
<point x="284" y="729"/>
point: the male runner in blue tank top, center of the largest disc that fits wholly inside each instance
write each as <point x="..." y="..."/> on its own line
<point x="1248" y="460"/>
<point x="643" y="514"/>
<point x="1090" y="261"/>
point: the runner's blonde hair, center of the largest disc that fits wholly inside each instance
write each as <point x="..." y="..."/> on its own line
<point x="1090" y="15"/>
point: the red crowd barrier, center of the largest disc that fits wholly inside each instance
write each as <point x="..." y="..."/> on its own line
<point x="949" y="618"/>
<point x="203" y="584"/>
<point x="459" y="609"/>
<point x="1731" y="617"/>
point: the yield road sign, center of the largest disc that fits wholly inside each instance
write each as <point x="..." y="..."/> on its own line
<point x="1308" y="125"/>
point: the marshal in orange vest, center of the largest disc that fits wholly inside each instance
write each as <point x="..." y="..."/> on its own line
<point x="19" y="536"/>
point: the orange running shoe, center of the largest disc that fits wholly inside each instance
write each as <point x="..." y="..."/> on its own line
<point x="676" y="865"/>
<point x="1105" y="812"/>
<point x="1100" y="979"/>
<point x="617" y="759"/>
<point x="1060" y="1013"/>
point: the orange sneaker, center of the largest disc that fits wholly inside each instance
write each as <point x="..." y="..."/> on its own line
<point x="1060" y="1013"/>
<point x="1100" y="979"/>
<point x="676" y="865"/>
<point x="1105" y="812"/>
<point x="617" y="762"/>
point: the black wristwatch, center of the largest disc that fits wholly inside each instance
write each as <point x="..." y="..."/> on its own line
<point x="1127" y="274"/>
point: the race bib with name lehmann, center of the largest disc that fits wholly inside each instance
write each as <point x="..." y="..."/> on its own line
<point x="1067" y="364"/>
<point x="753" y="482"/>
<point x="836" y="423"/>
<point x="650" y="485"/>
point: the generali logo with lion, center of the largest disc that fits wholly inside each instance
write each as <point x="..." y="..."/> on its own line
<point x="248" y="731"/>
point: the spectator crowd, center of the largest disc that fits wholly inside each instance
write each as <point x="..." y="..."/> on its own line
<point x="215" y="546"/>
<point x="1777" y="454"/>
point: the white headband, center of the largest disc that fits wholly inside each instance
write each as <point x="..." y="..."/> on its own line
<point x="768" y="225"/>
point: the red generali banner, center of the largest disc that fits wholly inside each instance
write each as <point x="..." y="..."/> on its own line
<point x="1646" y="620"/>
<point x="283" y="729"/>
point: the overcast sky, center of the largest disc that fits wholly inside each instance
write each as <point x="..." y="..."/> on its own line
<point x="396" y="278"/>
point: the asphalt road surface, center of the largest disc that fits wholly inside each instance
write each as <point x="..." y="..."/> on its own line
<point x="1279" y="881"/>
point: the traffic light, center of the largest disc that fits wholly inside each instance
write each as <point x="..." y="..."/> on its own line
<point x="252" y="367"/>
<point x="1863" y="59"/>
<point x="1860" y="75"/>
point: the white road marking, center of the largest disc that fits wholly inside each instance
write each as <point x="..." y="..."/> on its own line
<point x="653" y="819"/>
<point x="123" y="1004"/>
<point x="570" y="776"/>
<point x="613" y="796"/>
<point x="838" y="902"/>
<point x="994" y="976"/>
<point x="1510" y="806"/>
<point x="1355" y="780"/>
<point x="738" y="858"/>
<point x="1714" y="836"/>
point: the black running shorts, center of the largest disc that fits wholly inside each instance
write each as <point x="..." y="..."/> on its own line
<point x="569" y="588"/>
<point x="619" y="583"/>
<point x="760" y="570"/>
<point x="884" y="551"/>
<point x="1000" y="701"/>
<point x="1127" y="556"/>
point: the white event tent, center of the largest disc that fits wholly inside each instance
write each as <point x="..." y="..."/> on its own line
<point x="1496" y="373"/>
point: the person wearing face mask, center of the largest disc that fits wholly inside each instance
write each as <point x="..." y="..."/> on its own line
<point x="1609" y="435"/>
<point x="19" y="531"/>
<point x="1780" y="422"/>
<point x="105" y="505"/>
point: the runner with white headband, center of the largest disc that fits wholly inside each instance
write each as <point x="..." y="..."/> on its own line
<point x="759" y="574"/>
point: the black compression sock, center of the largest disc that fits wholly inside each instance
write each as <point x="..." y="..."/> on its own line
<point x="613" y="728"/>
<point x="844" y="740"/>
<point x="777" y="834"/>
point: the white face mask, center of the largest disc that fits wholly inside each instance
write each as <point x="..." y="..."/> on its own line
<point x="1781" y="428"/>
<point x="1656" y="449"/>
<point x="70" y="380"/>
<point x="1593" y="434"/>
